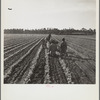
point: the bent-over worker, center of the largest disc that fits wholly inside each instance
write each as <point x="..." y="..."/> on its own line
<point x="53" y="48"/>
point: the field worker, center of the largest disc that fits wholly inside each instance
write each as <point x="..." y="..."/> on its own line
<point x="49" y="37"/>
<point x="53" y="48"/>
<point x="63" y="48"/>
<point x="44" y="43"/>
<point x="48" y="40"/>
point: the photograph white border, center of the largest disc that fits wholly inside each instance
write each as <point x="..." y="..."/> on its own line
<point x="52" y="91"/>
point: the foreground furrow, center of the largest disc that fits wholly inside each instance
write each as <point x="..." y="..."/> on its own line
<point x="88" y="68"/>
<point x="57" y="75"/>
<point x="78" y="76"/>
<point x="37" y="73"/>
<point x="87" y="71"/>
<point x="61" y="74"/>
<point x="47" y="69"/>
<point x="66" y="70"/>
<point x="16" y="68"/>
<point x="25" y="75"/>
<point x="27" y="79"/>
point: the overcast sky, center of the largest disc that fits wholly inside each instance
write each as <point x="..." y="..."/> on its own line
<point x="31" y="14"/>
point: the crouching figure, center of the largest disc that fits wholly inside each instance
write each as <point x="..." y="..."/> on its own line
<point x="53" y="49"/>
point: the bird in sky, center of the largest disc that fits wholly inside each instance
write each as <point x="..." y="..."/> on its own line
<point x="9" y="8"/>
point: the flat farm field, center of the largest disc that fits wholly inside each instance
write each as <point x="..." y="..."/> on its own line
<point x="85" y="45"/>
<point x="26" y="61"/>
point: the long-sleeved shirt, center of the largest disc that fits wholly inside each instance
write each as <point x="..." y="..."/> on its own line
<point x="63" y="47"/>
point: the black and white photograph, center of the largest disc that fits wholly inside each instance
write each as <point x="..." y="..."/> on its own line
<point x="49" y="42"/>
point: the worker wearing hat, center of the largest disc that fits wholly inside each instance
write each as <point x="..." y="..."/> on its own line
<point x="63" y="47"/>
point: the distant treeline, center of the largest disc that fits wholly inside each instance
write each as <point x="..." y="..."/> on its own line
<point x="56" y="31"/>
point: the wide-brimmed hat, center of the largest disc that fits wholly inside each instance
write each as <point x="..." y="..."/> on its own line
<point x="63" y="39"/>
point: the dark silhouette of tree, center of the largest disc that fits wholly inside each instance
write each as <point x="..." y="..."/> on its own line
<point x="70" y="31"/>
